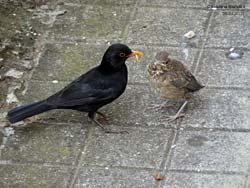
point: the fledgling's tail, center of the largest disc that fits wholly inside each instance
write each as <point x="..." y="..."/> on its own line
<point x="25" y="111"/>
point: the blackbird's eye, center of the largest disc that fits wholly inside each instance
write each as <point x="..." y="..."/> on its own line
<point x="122" y="54"/>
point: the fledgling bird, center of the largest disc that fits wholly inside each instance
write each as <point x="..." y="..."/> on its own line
<point x="92" y="90"/>
<point x="172" y="80"/>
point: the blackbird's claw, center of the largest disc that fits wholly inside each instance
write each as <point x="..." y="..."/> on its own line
<point x="103" y="118"/>
<point x="92" y="117"/>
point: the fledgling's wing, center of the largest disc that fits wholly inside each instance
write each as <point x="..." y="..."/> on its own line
<point x="183" y="78"/>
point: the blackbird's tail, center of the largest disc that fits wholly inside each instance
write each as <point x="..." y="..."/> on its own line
<point x="25" y="111"/>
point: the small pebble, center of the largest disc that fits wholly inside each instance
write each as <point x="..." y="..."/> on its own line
<point x="189" y="35"/>
<point x="173" y="146"/>
<point x="55" y="81"/>
<point x="234" y="55"/>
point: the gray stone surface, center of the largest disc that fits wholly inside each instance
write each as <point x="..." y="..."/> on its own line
<point x="128" y="150"/>
<point x="41" y="143"/>
<point x="92" y="23"/>
<point x="223" y="109"/>
<point x="224" y="72"/>
<point x="212" y="151"/>
<point x="198" y="180"/>
<point x="229" y="30"/>
<point x="167" y="30"/>
<point x="69" y="61"/>
<point x="28" y="176"/>
<point x="118" y="178"/>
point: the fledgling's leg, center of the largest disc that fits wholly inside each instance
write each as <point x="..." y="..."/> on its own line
<point x="158" y="107"/>
<point x="178" y="114"/>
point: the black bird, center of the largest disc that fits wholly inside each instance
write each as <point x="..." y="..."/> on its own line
<point x="92" y="90"/>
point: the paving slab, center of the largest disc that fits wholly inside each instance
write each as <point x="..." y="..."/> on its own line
<point x="42" y="143"/>
<point x="166" y="26"/>
<point x="212" y="151"/>
<point x="197" y="180"/>
<point x="65" y="62"/>
<point x="94" y="23"/>
<point x="214" y="108"/>
<point x="229" y="28"/>
<point x="118" y="178"/>
<point x="224" y="72"/>
<point x="17" y="176"/>
<point x="139" y="148"/>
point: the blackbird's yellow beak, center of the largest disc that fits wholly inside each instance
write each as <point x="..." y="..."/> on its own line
<point x="136" y="54"/>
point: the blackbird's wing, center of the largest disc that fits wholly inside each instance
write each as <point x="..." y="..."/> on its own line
<point x="78" y="93"/>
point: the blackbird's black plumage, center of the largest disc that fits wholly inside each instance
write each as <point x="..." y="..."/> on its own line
<point x="94" y="89"/>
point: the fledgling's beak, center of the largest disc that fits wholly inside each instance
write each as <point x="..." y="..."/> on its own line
<point x="136" y="54"/>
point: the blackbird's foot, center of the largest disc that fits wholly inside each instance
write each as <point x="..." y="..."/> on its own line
<point x="103" y="118"/>
<point x="91" y="116"/>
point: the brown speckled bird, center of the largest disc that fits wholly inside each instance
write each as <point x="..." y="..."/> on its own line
<point x="172" y="80"/>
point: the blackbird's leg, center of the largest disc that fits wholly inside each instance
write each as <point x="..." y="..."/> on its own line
<point x="103" y="115"/>
<point x="178" y="114"/>
<point x="91" y="115"/>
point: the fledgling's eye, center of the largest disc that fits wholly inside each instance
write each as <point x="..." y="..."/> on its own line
<point x="122" y="54"/>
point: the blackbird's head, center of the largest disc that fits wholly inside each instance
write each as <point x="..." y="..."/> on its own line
<point x="116" y="55"/>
